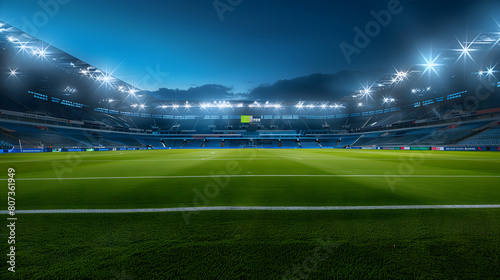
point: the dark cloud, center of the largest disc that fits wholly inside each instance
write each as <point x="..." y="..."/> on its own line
<point x="204" y="92"/>
<point x="317" y="87"/>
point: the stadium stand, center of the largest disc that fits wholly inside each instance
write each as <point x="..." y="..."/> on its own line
<point x="309" y="144"/>
<point x="347" y="141"/>
<point x="212" y="143"/>
<point x="171" y="143"/>
<point x="193" y="143"/>
<point x="328" y="143"/>
<point x="265" y="143"/>
<point x="289" y="143"/>
<point x="488" y="137"/>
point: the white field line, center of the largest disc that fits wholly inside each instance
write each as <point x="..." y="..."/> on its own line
<point x="258" y="208"/>
<point x="246" y="159"/>
<point x="256" y="176"/>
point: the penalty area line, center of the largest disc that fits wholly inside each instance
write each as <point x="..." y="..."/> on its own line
<point x="254" y="208"/>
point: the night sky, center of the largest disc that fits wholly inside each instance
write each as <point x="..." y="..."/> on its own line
<point x="190" y="43"/>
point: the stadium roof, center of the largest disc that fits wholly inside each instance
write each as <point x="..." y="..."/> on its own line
<point x="42" y="50"/>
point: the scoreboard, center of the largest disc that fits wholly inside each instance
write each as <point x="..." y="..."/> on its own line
<point x="249" y="119"/>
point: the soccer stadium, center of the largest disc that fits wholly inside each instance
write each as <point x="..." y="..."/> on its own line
<point x="397" y="179"/>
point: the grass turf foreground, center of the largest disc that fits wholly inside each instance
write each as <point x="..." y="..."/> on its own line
<point x="402" y="244"/>
<point x="367" y="244"/>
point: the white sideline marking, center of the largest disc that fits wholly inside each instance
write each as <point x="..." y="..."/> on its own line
<point x="257" y="158"/>
<point x="260" y="208"/>
<point x="263" y="175"/>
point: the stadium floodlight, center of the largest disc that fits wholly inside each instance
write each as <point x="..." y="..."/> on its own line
<point x="134" y="105"/>
<point x="300" y="105"/>
<point x="360" y="104"/>
<point x="366" y="92"/>
<point x="187" y="106"/>
<point x="489" y="71"/>
<point x="480" y="73"/>
<point x="132" y="91"/>
<point x="13" y="72"/>
<point x="413" y="90"/>
<point x="105" y="79"/>
<point x="11" y="39"/>
<point x="465" y="49"/>
<point x="110" y="100"/>
<point x="23" y="47"/>
<point x="142" y="106"/>
<point x="163" y="106"/>
<point x="310" y="106"/>
<point x="42" y="53"/>
<point x="239" y="105"/>
<point x="400" y="76"/>
<point x="430" y="63"/>
<point x="430" y="66"/>
<point x="323" y="106"/>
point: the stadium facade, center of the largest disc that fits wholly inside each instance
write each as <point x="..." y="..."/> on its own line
<point x="52" y="101"/>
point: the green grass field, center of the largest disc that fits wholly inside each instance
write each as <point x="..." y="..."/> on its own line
<point x="360" y="244"/>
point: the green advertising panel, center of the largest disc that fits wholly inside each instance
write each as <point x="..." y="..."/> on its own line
<point x="246" y="119"/>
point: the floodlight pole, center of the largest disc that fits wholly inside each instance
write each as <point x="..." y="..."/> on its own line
<point x="20" y="146"/>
